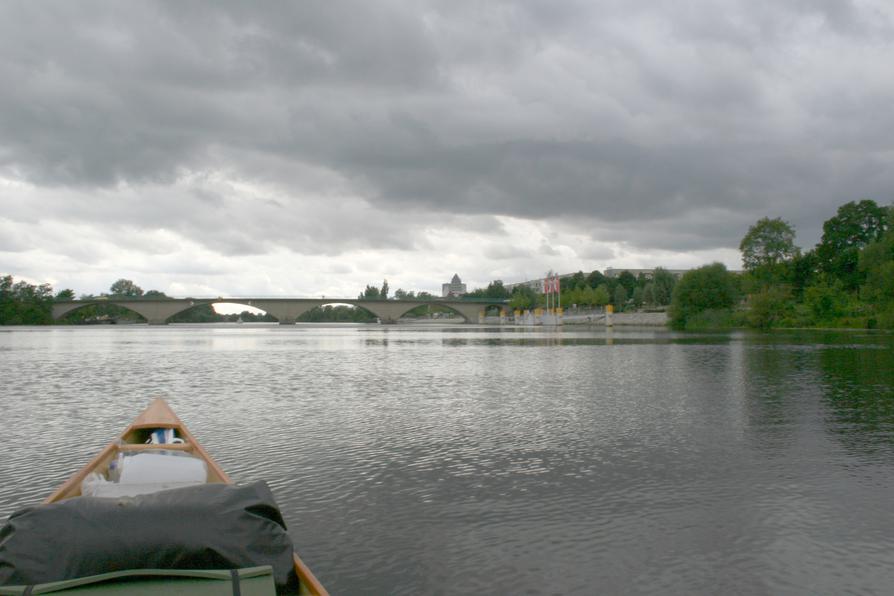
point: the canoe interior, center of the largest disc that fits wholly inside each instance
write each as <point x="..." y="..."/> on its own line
<point x="157" y="416"/>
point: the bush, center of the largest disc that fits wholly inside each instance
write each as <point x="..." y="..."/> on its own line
<point x="885" y="319"/>
<point x="799" y="315"/>
<point x="708" y="288"/>
<point x="825" y="300"/>
<point x="712" y="319"/>
<point x="768" y="307"/>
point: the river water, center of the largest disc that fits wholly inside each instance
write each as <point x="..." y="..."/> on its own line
<point x="461" y="459"/>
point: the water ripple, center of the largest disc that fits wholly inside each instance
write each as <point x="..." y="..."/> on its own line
<point x="461" y="459"/>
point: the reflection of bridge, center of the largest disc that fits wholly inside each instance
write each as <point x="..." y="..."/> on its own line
<point x="285" y="310"/>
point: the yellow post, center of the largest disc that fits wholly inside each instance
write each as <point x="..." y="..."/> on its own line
<point x="609" y="309"/>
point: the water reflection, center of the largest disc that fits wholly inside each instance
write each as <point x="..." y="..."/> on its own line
<point x="858" y="389"/>
<point x="416" y="459"/>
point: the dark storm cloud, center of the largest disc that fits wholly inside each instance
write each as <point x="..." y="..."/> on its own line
<point x="669" y="125"/>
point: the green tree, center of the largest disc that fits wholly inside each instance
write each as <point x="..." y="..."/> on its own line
<point x="768" y="243"/>
<point x="124" y="288"/>
<point x="649" y="294"/>
<point x="627" y="280"/>
<point x="664" y="282"/>
<point x="496" y="291"/>
<point x="601" y="295"/>
<point x="383" y="293"/>
<point x="595" y="279"/>
<point x="574" y="282"/>
<point x="338" y="314"/>
<point x="826" y="299"/>
<point x="768" y="306"/>
<point x="620" y="297"/>
<point x="877" y="266"/>
<point x="523" y="298"/>
<point x="22" y="303"/>
<point x="853" y="227"/>
<point x="637" y="297"/>
<point x="66" y="295"/>
<point x="202" y="313"/>
<point x="803" y="271"/>
<point x="370" y="293"/>
<point x="708" y="288"/>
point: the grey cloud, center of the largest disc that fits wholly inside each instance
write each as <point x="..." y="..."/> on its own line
<point x="505" y="253"/>
<point x="670" y="126"/>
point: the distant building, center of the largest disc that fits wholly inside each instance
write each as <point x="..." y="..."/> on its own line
<point x="647" y="273"/>
<point x="534" y="284"/>
<point x="456" y="287"/>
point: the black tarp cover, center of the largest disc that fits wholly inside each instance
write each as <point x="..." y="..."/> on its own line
<point x="212" y="526"/>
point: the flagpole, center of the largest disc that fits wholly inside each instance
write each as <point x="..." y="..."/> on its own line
<point x="559" y="290"/>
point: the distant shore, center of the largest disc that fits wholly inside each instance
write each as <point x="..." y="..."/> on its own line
<point x="639" y="319"/>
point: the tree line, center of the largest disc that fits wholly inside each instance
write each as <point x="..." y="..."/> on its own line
<point x="372" y="292"/>
<point x="22" y="303"/>
<point x="594" y="289"/>
<point x="846" y="280"/>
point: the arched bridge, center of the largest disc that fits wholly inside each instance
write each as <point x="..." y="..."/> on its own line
<point x="285" y="310"/>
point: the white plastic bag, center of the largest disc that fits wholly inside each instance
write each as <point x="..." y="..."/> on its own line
<point x="161" y="468"/>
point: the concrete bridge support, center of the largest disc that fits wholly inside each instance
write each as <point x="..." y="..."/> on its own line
<point x="285" y="311"/>
<point x="388" y="311"/>
<point x="472" y="312"/>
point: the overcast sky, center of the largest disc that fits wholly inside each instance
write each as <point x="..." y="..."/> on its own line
<point x="310" y="148"/>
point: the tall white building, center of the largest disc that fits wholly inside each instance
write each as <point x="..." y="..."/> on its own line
<point x="456" y="287"/>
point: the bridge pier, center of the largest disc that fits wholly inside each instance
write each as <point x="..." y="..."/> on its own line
<point x="287" y="321"/>
<point x="157" y="321"/>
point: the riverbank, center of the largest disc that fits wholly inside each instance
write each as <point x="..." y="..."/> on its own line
<point x="639" y="319"/>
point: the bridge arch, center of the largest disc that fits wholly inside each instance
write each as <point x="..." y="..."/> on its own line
<point x="209" y="304"/>
<point x="338" y="315"/>
<point x="156" y="312"/>
<point x="64" y="310"/>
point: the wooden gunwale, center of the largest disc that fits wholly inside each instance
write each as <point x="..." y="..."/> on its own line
<point x="160" y="415"/>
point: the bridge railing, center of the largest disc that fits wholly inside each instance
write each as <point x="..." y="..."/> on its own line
<point x="241" y="298"/>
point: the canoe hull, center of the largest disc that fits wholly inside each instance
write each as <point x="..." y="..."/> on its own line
<point x="160" y="415"/>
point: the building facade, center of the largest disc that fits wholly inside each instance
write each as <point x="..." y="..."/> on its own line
<point x="647" y="273"/>
<point x="456" y="287"/>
